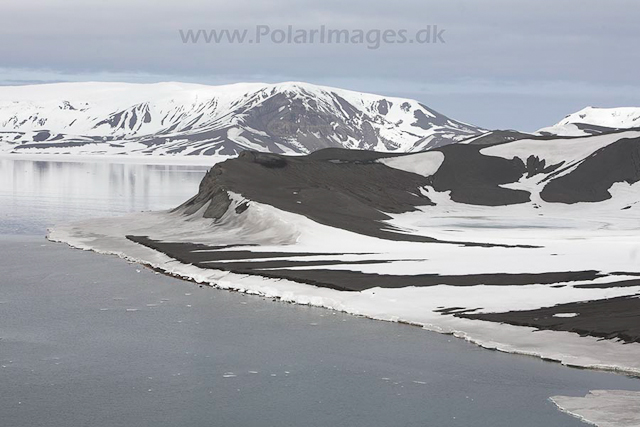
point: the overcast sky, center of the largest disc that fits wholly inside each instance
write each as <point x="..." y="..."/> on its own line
<point x="519" y="64"/>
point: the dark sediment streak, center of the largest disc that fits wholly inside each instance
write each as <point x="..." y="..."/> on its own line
<point x="619" y="284"/>
<point x="615" y="318"/>
<point x="208" y="257"/>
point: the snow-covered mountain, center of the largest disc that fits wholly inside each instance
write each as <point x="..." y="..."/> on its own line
<point x="594" y="121"/>
<point x="188" y="119"/>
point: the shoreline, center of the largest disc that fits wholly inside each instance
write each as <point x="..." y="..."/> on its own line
<point x="635" y="374"/>
<point x="265" y="287"/>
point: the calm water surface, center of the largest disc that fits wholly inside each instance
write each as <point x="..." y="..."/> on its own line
<point x="91" y="340"/>
<point x="37" y="194"/>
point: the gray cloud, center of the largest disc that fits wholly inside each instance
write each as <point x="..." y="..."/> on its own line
<point x="504" y="64"/>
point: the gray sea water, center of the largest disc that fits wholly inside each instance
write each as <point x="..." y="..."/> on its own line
<point x="91" y="340"/>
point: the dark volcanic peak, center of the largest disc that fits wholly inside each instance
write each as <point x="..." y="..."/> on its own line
<point x="184" y="119"/>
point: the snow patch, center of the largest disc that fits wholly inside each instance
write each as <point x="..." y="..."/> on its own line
<point x="425" y="164"/>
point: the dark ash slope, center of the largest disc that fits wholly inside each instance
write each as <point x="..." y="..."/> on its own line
<point x="475" y="179"/>
<point x="349" y="189"/>
<point x="339" y="188"/>
<point x="592" y="179"/>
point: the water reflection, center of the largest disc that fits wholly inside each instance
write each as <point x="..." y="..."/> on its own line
<point x="37" y="194"/>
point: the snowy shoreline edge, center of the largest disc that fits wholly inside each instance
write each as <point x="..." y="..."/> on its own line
<point x="200" y="276"/>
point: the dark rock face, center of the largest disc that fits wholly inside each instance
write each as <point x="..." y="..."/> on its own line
<point x="536" y="166"/>
<point x="269" y="160"/>
<point x="592" y="179"/>
<point x="220" y="202"/>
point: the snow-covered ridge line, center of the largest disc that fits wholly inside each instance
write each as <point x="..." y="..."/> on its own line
<point x="189" y="119"/>
<point x="620" y="117"/>
<point x="594" y="121"/>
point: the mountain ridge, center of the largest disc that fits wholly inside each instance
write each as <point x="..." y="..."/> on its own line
<point x="180" y="118"/>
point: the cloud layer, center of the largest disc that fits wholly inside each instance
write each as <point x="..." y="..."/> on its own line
<point x="505" y="64"/>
